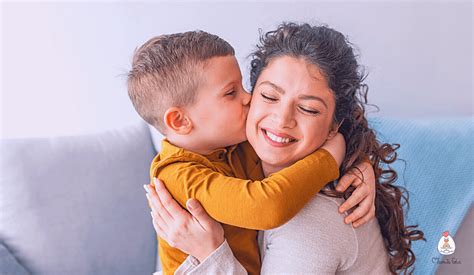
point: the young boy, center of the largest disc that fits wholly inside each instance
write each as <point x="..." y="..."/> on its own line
<point x="189" y="87"/>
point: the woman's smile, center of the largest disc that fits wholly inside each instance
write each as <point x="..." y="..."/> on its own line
<point x="277" y="139"/>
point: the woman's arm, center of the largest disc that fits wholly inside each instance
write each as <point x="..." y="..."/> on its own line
<point x="183" y="229"/>
<point x="194" y="233"/>
<point x="178" y="224"/>
<point x="221" y="261"/>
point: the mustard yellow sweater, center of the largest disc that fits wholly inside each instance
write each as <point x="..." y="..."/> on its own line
<point x="221" y="182"/>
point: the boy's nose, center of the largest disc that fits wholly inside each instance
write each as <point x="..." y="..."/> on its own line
<point x="246" y="97"/>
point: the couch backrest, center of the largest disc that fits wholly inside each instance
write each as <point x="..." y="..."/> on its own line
<point x="76" y="205"/>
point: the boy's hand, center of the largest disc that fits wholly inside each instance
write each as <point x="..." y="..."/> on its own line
<point x="336" y="146"/>
<point x="363" y="196"/>
<point x="195" y="233"/>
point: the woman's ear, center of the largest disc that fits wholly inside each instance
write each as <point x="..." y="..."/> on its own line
<point x="332" y="133"/>
<point x="177" y="121"/>
<point x="334" y="129"/>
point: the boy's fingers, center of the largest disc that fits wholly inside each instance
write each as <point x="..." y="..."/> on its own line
<point x="198" y="212"/>
<point x="362" y="210"/>
<point x="356" y="182"/>
<point x="174" y="209"/>
<point x="344" y="182"/>
<point x="364" y="219"/>
<point x="357" y="196"/>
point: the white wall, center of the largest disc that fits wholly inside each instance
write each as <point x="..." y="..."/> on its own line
<point x="63" y="64"/>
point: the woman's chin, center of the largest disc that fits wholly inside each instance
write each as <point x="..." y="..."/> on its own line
<point x="275" y="161"/>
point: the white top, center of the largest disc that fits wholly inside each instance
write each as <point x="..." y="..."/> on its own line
<point x="315" y="241"/>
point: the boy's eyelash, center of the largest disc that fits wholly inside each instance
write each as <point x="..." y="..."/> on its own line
<point x="231" y="92"/>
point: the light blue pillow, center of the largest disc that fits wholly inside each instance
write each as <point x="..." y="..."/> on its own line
<point x="437" y="170"/>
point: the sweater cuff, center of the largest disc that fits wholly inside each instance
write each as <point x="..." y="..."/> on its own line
<point x="332" y="163"/>
<point x="222" y="260"/>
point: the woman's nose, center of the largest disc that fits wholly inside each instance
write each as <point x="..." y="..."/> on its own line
<point x="284" y="118"/>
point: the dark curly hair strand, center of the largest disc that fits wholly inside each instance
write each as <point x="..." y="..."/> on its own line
<point x="333" y="54"/>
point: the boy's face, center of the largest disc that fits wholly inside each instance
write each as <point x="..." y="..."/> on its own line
<point x="220" y="112"/>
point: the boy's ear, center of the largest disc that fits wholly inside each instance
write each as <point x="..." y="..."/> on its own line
<point x="177" y="121"/>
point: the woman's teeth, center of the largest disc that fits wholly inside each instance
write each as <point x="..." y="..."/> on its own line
<point x="277" y="139"/>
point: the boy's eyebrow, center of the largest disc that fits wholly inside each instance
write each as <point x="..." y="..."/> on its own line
<point x="304" y="97"/>
<point x="226" y="87"/>
<point x="229" y="84"/>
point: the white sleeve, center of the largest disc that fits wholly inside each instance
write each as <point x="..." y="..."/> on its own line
<point x="221" y="261"/>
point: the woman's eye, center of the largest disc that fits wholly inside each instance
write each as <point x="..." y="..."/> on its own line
<point x="313" y="112"/>
<point x="269" y="98"/>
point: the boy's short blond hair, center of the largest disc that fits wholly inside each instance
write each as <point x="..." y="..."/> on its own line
<point x="167" y="71"/>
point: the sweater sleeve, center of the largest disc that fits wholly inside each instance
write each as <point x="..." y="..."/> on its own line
<point x="221" y="261"/>
<point x="258" y="205"/>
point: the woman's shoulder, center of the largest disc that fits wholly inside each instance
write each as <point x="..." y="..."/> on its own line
<point x="319" y="224"/>
<point x="330" y="201"/>
<point x="365" y="240"/>
<point x="316" y="238"/>
<point x="325" y="206"/>
<point x="320" y="216"/>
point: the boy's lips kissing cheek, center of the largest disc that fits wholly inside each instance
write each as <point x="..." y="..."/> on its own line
<point x="277" y="139"/>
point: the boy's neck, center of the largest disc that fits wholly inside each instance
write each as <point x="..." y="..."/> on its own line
<point x="202" y="150"/>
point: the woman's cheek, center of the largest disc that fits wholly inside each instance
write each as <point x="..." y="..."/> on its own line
<point x="253" y="115"/>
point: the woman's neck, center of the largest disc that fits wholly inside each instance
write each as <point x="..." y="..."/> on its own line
<point x="269" y="168"/>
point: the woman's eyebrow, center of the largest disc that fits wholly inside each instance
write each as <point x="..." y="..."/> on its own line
<point x="312" y="97"/>
<point x="304" y="97"/>
<point x="274" y="86"/>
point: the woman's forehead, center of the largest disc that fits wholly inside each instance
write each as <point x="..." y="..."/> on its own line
<point x="295" y="76"/>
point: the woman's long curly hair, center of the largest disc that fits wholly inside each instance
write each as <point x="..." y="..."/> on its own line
<point x="333" y="54"/>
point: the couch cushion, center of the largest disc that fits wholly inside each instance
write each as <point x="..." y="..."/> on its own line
<point x="8" y="264"/>
<point x="156" y="137"/>
<point x="437" y="170"/>
<point x="76" y="205"/>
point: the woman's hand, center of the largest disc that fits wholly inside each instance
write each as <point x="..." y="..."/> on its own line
<point x="195" y="233"/>
<point x="363" y="179"/>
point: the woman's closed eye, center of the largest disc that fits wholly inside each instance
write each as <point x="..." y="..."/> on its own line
<point x="269" y="98"/>
<point x="309" y="111"/>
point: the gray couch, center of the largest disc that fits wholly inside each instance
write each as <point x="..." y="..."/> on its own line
<point x="75" y="205"/>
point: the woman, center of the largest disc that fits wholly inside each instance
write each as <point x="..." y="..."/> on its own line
<point x="306" y="81"/>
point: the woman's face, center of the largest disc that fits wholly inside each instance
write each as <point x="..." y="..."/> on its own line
<point x="291" y="112"/>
